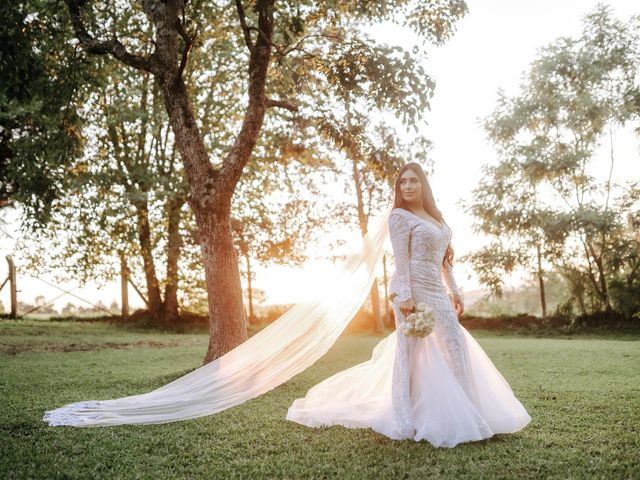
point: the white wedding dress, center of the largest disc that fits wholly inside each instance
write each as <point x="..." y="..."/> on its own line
<point x="443" y="387"/>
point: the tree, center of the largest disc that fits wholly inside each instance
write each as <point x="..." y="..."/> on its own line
<point x="43" y="84"/>
<point x="625" y="259"/>
<point x="300" y="45"/>
<point x="540" y="200"/>
<point x="108" y="210"/>
<point x="507" y="208"/>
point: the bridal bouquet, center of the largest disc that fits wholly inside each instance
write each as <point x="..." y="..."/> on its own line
<point x="420" y="323"/>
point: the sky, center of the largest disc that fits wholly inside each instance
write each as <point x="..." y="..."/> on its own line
<point x="491" y="49"/>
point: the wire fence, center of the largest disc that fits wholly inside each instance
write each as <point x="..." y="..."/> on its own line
<point x="64" y="292"/>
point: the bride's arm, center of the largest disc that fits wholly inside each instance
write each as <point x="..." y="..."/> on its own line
<point x="399" y="231"/>
<point x="449" y="280"/>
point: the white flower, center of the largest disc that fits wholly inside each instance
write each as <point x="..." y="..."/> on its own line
<point x="422" y="307"/>
<point x="419" y="323"/>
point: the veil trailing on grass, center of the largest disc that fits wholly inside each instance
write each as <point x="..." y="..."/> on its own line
<point x="289" y="345"/>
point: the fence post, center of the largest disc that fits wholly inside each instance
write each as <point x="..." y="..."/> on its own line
<point x="12" y="286"/>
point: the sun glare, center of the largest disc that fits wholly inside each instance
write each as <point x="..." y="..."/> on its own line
<point x="292" y="285"/>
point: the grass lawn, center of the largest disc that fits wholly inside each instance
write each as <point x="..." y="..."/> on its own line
<point x="583" y="394"/>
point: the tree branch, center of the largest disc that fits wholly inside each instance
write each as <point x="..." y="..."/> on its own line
<point x="112" y="47"/>
<point x="293" y="107"/>
<point x="299" y="43"/>
<point x="231" y="169"/>
<point x="188" y="44"/>
<point x="246" y="31"/>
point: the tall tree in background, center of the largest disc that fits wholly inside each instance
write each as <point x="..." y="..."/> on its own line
<point x="540" y="200"/>
<point x="506" y="208"/>
<point x="625" y="260"/>
<point x="143" y="163"/>
<point x="125" y="197"/>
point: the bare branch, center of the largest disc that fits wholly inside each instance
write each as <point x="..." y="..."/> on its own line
<point x="246" y="31"/>
<point x="293" y="107"/>
<point x="112" y="47"/>
<point x="188" y="44"/>
<point x="298" y="45"/>
<point x="245" y="141"/>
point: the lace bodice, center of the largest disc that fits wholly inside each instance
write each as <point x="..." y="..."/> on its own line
<point x="418" y="245"/>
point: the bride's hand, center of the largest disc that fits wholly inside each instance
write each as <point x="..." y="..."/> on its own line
<point x="407" y="306"/>
<point x="457" y="302"/>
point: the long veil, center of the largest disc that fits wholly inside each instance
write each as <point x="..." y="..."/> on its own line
<point x="289" y="345"/>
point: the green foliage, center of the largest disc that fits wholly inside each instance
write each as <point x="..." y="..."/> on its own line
<point x="129" y="164"/>
<point x="626" y="297"/>
<point x="492" y="263"/>
<point x="539" y="201"/>
<point x="43" y="83"/>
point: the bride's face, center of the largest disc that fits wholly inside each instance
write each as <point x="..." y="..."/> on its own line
<point x="410" y="187"/>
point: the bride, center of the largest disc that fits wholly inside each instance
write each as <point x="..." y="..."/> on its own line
<point x="442" y="388"/>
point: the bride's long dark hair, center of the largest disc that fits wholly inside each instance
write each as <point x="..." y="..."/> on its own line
<point x="428" y="202"/>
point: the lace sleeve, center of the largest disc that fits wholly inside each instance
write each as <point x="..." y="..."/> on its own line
<point x="449" y="279"/>
<point x="399" y="232"/>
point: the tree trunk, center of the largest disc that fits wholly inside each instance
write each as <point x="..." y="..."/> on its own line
<point x="362" y="220"/>
<point x="144" y="238"/>
<point x="543" y="301"/>
<point x="174" y="244"/>
<point x="210" y="200"/>
<point x="249" y="289"/>
<point x="211" y="190"/>
<point x="212" y="214"/>
<point x="124" y="286"/>
<point x="602" y="278"/>
<point x="224" y="296"/>
<point x="226" y="316"/>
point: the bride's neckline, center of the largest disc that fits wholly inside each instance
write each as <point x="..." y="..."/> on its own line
<point x="439" y="225"/>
